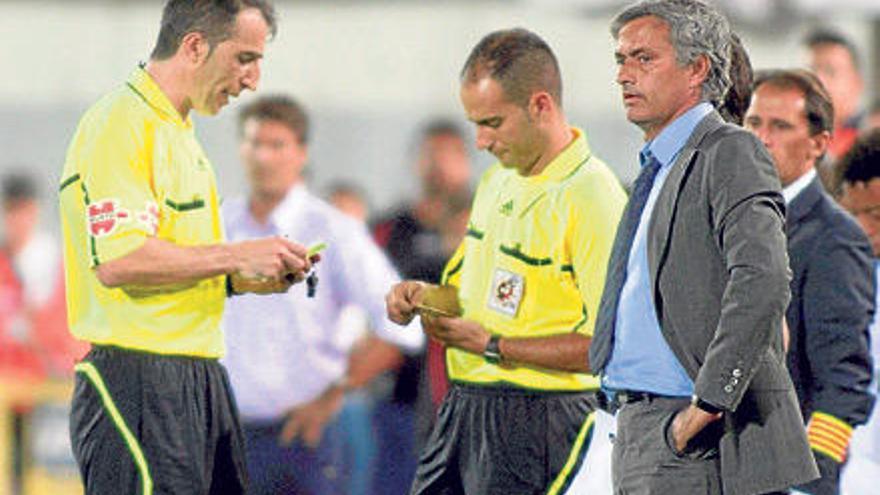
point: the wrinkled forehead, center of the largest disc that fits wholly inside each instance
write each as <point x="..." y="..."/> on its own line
<point x="643" y="33"/>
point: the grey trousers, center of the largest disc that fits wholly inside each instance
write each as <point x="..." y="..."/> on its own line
<point x="644" y="462"/>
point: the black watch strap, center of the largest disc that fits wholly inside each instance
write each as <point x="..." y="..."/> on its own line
<point x="492" y="352"/>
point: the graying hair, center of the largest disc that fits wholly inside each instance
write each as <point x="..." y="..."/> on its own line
<point x="695" y="29"/>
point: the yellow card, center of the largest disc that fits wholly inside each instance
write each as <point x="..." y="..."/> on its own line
<point x="440" y="301"/>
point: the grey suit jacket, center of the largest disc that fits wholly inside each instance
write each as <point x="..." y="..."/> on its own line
<point x="720" y="278"/>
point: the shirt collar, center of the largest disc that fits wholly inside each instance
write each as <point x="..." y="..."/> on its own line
<point x="143" y="84"/>
<point x="571" y="158"/>
<point x="666" y="145"/>
<point x="791" y="191"/>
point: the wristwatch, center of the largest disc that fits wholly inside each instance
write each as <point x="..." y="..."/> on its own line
<point x="492" y="352"/>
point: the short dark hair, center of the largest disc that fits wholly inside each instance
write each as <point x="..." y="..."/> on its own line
<point x="279" y="108"/>
<point x="519" y="60"/>
<point x="441" y="127"/>
<point x="215" y="19"/>
<point x="826" y="36"/>
<point x="18" y="186"/>
<point x="739" y="95"/>
<point x="819" y="108"/>
<point x="860" y="163"/>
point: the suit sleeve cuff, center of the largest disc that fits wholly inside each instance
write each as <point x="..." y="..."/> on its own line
<point x="705" y="405"/>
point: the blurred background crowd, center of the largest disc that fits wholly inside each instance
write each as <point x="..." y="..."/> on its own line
<point x="376" y="85"/>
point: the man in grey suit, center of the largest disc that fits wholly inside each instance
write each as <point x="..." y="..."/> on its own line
<point x="832" y="289"/>
<point x="689" y="336"/>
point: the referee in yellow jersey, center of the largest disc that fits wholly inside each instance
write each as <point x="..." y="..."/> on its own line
<point x="147" y="268"/>
<point x="529" y="273"/>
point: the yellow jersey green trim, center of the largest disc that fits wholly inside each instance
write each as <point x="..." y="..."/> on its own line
<point x="143" y="84"/>
<point x="68" y="181"/>
<point x="192" y="205"/>
<point x="131" y="442"/>
<point x="575" y="201"/>
<point x="575" y="457"/>
<point x="531" y="204"/>
<point x="93" y="248"/>
<point x="578" y="167"/>
<point x="476" y="234"/>
<point x="452" y="271"/>
<point x="132" y="153"/>
<point x="515" y="252"/>
<point x="582" y="321"/>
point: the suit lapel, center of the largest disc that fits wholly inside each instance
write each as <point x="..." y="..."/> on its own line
<point x="663" y="215"/>
<point x="801" y="206"/>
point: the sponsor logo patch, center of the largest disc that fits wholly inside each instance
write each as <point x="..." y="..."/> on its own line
<point x="506" y="292"/>
<point x="149" y="217"/>
<point x="104" y="216"/>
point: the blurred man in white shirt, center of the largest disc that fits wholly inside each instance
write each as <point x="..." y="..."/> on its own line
<point x="291" y="362"/>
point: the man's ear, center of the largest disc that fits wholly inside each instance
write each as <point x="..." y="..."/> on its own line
<point x="194" y="47"/>
<point x="819" y="144"/>
<point x="699" y="70"/>
<point x="540" y="105"/>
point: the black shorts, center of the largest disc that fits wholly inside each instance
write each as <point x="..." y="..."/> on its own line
<point x="504" y="441"/>
<point x="145" y="423"/>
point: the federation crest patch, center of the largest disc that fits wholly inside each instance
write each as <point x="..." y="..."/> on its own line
<point x="506" y="292"/>
<point x="102" y="217"/>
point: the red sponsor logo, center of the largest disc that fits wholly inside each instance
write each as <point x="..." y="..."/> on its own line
<point x="104" y="216"/>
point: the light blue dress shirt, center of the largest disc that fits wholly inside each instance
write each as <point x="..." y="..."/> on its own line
<point x="641" y="360"/>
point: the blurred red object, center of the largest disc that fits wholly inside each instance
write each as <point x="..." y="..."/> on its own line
<point x="34" y="341"/>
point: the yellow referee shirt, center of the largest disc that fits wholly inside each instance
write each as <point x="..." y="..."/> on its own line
<point x="134" y="169"/>
<point x="534" y="259"/>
